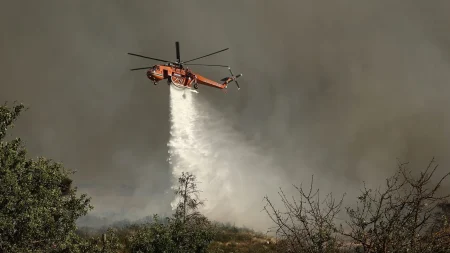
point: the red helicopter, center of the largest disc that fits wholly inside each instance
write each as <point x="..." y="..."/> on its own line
<point x="182" y="77"/>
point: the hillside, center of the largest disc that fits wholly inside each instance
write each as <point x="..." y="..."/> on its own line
<point x="228" y="238"/>
<point x="39" y="208"/>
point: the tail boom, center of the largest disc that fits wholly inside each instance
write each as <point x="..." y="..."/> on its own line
<point x="214" y="84"/>
<point x="208" y="82"/>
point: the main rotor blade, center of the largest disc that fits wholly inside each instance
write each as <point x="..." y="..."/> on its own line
<point x="156" y="59"/>
<point x="207" y="55"/>
<point x="209" y="65"/>
<point x="177" y="46"/>
<point x="140" y="68"/>
<point x="237" y="84"/>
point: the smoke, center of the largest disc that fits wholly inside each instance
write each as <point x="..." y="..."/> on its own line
<point x="330" y="88"/>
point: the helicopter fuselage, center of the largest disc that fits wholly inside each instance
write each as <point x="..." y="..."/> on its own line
<point x="178" y="76"/>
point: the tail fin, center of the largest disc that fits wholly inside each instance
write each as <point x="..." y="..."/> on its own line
<point x="231" y="78"/>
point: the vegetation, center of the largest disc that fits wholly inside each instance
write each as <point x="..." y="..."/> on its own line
<point x="230" y="238"/>
<point x="186" y="231"/>
<point x="305" y="226"/>
<point x="39" y="208"/>
<point x="403" y="216"/>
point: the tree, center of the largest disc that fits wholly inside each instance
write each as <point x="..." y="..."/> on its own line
<point x="399" y="218"/>
<point x="186" y="231"/>
<point x="189" y="200"/>
<point x="38" y="206"/>
<point x="193" y="231"/>
<point x="307" y="225"/>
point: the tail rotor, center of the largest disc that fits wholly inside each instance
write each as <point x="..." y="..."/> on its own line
<point x="233" y="78"/>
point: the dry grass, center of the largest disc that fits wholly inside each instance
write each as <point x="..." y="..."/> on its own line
<point x="228" y="239"/>
<point x="241" y="240"/>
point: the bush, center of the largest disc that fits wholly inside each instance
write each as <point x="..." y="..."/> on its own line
<point x="186" y="231"/>
<point x="38" y="206"/>
<point x="305" y="226"/>
<point x="401" y="217"/>
<point x="398" y="218"/>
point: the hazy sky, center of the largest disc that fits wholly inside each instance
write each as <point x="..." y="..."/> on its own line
<point x="340" y="87"/>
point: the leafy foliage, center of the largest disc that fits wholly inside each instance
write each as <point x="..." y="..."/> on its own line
<point x="38" y="207"/>
<point x="8" y="116"/>
<point x="153" y="237"/>
<point x="186" y="231"/>
<point x="105" y="243"/>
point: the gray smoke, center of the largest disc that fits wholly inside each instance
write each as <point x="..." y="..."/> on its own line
<point x="335" y="89"/>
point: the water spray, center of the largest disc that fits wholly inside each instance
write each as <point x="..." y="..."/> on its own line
<point x="233" y="176"/>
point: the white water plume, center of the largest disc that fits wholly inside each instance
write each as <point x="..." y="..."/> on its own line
<point x="233" y="175"/>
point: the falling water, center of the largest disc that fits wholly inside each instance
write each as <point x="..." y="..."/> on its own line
<point x="233" y="176"/>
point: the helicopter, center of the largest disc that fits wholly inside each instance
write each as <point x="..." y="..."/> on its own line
<point x="182" y="77"/>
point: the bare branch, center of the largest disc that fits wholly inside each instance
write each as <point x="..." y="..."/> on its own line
<point x="397" y="217"/>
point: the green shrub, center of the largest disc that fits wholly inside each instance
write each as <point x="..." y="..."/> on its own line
<point x="186" y="231"/>
<point x="38" y="207"/>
